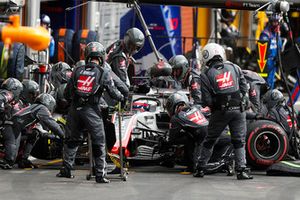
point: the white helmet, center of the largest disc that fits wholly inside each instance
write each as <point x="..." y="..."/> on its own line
<point x="211" y="50"/>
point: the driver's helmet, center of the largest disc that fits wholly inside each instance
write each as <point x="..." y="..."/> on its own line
<point x="61" y="72"/>
<point x="13" y="85"/>
<point x="273" y="98"/>
<point x="174" y="100"/>
<point x="47" y="100"/>
<point x="134" y="40"/>
<point x="180" y="66"/>
<point x="31" y="90"/>
<point x="213" y="51"/>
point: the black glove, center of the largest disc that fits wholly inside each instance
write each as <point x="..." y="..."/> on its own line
<point x="123" y="103"/>
<point x="245" y="102"/>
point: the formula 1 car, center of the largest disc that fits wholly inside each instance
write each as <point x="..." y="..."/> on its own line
<point x="145" y="130"/>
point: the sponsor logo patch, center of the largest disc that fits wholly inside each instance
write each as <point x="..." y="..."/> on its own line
<point x="225" y="80"/>
<point x="85" y="83"/>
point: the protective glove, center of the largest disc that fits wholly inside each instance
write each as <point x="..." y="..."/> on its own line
<point x="123" y="103"/>
<point x="245" y="101"/>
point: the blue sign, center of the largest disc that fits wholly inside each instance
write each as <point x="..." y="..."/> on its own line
<point x="164" y="24"/>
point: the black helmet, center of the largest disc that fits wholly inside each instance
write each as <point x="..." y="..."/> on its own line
<point x="134" y="40"/>
<point x="60" y="73"/>
<point x="31" y="90"/>
<point x="45" y="19"/>
<point x="47" y="100"/>
<point x="13" y="85"/>
<point x="161" y="68"/>
<point x="95" y="50"/>
<point x="180" y="66"/>
<point x="273" y="98"/>
<point x="79" y="63"/>
<point x="227" y="16"/>
<point x="174" y="100"/>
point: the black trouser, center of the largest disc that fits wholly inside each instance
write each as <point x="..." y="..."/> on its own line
<point x="191" y="139"/>
<point x="12" y="139"/>
<point x="87" y="117"/>
<point x="236" y="120"/>
<point x="31" y="139"/>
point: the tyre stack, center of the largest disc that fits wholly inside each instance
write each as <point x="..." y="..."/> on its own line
<point x="63" y="46"/>
<point x="70" y="45"/>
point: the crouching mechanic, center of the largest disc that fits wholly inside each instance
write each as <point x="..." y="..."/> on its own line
<point x="40" y="111"/>
<point x="224" y="89"/>
<point x="10" y="92"/>
<point x="188" y="126"/>
<point x="84" y="90"/>
<point x="31" y="90"/>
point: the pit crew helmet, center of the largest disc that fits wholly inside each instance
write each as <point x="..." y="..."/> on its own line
<point x="174" y="100"/>
<point x="31" y="90"/>
<point x="60" y="73"/>
<point x="13" y="85"/>
<point x="47" y="100"/>
<point x="213" y="51"/>
<point x="134" y="40"/>
<point x="95" y="50"/>
<point x="273" y="98"/>
<point x="180" y="66"/>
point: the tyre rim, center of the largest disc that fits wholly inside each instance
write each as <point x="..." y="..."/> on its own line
<point x="267" y="144"/>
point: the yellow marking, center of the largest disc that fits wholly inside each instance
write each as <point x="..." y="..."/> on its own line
<point x="295" y="14"/>
<point x="61" y="120"/>
<point x="264" y="75"/>
<point x="278" y="76"/>
<point x="185" y="173"/>
<point x="54" y="162"/>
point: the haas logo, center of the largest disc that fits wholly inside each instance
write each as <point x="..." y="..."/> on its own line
<point x="224" y="80"/>
<point x="85" y="83"/>
<point x="197" y="118"/>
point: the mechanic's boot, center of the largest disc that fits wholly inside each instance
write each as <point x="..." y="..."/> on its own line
<point x="100" y="179"/>
<point x="243" y="174"/>
<point x="199" y="173"/>
<point x="65" y="172"/>
<point x="25" y="163"/>
<point x="4" y="164"/>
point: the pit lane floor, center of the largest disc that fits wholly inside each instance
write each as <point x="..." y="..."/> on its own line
<point x="147" y="182"/>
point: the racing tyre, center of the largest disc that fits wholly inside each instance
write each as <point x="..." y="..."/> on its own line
<point x="266" y="143"/>
<point x="63" y="46"/>
<point x="80" y="39"/>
